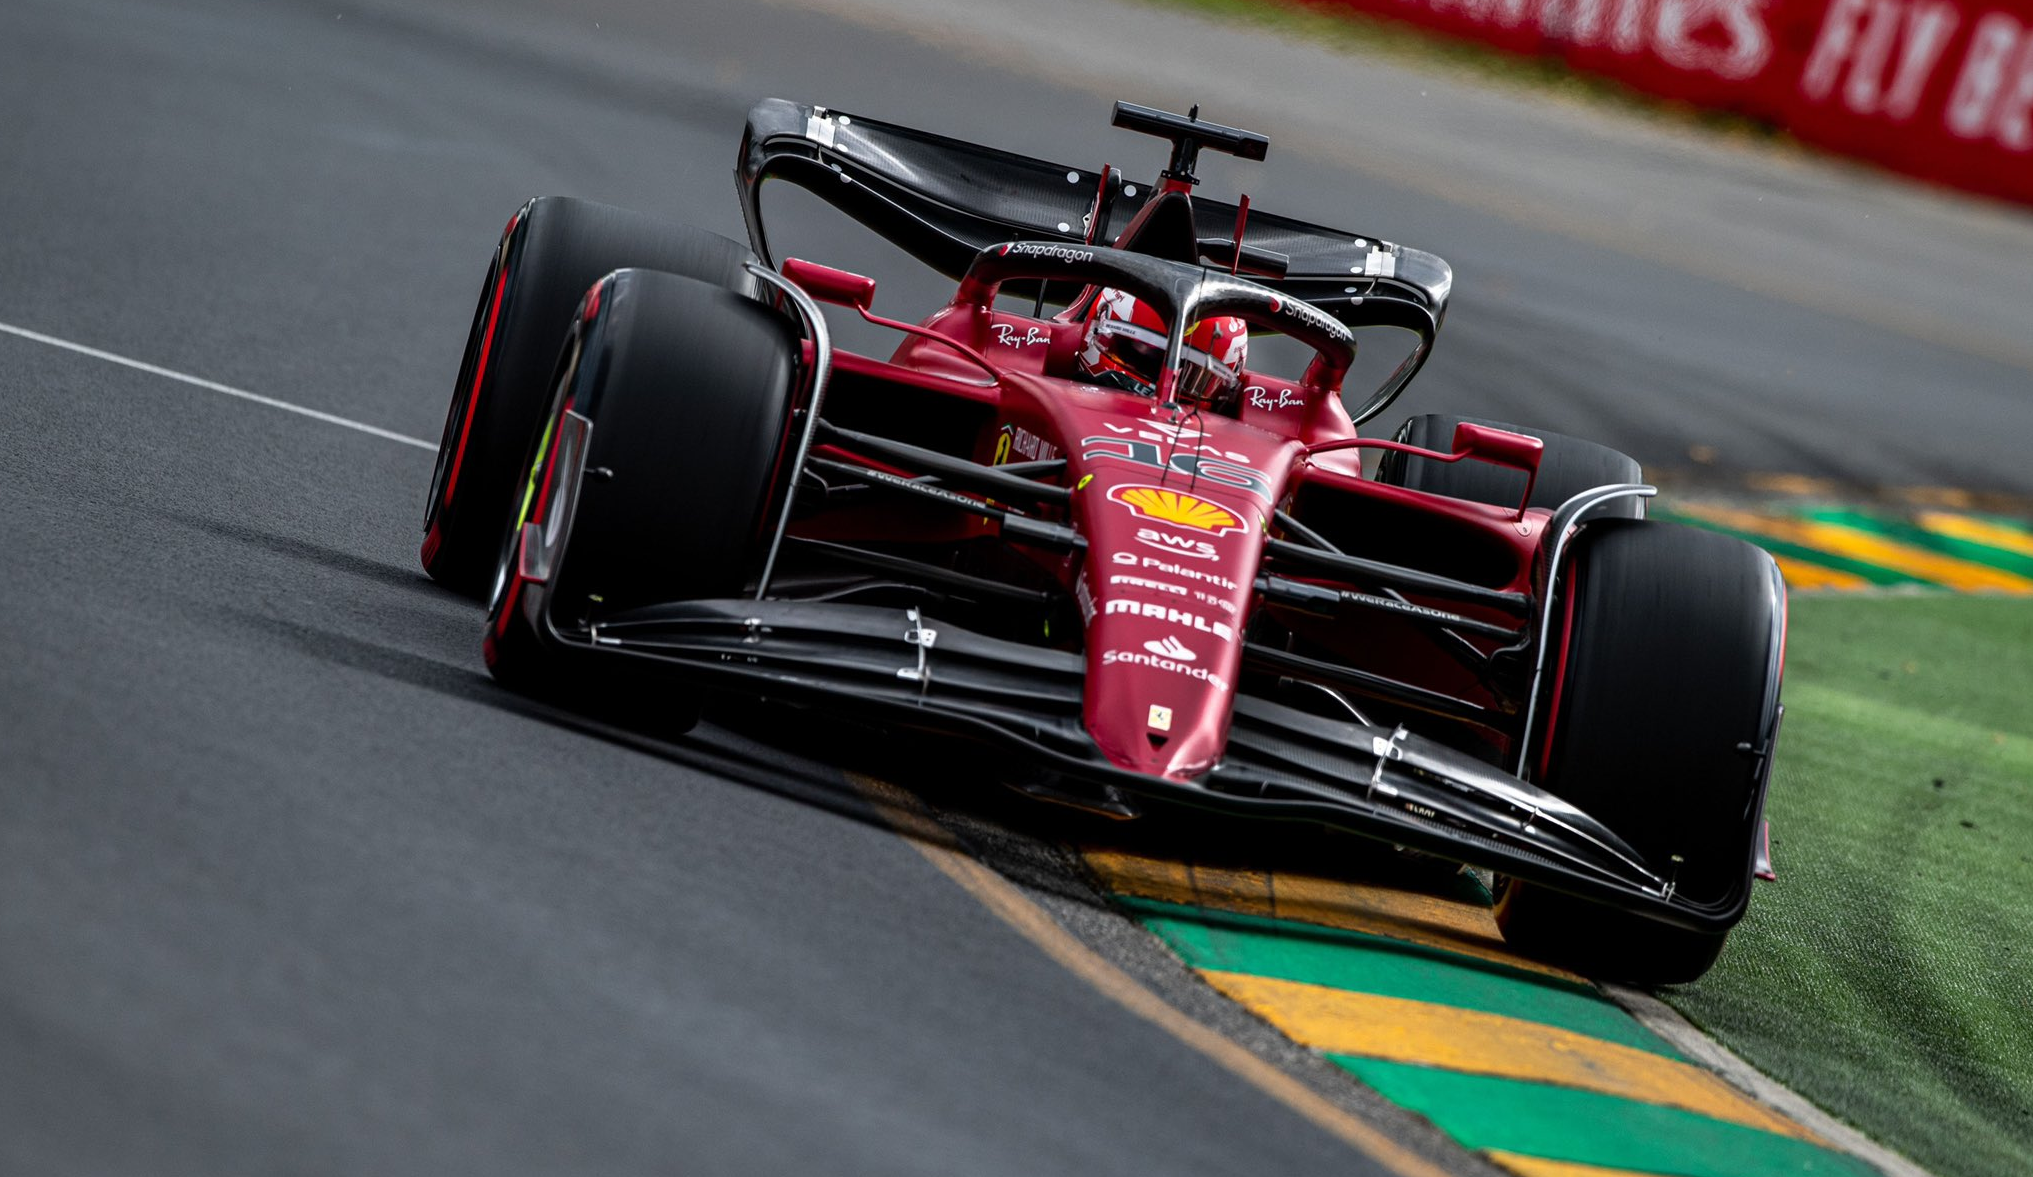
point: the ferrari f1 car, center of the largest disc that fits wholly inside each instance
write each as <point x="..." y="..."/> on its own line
<point x="1054" y="520"/>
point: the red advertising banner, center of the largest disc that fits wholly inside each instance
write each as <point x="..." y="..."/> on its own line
<point x="1941" y="89"/>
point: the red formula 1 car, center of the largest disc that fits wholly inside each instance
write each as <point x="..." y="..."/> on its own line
<point x="1098" y="538"/>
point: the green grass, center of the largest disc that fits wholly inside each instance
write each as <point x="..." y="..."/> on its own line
<point x="1888" y="975"/>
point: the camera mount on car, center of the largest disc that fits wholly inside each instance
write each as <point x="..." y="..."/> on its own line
<point x="1188" y="135"/>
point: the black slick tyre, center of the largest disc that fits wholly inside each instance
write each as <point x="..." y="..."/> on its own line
<point x="1568" y="466"/>
<point x="552" y="251"/>
<point x="682" y="393"/>
<point x="1661" y="701"/>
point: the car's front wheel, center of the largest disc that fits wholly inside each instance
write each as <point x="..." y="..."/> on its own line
<point x="1660" y="705"/>
<point x="655" y="476"/>
<point x="552" y="251"/>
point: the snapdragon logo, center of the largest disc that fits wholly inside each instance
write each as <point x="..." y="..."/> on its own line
<point x="1041" y="250"/>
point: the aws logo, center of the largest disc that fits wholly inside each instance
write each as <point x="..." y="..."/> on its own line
<point x="1177" y="545"/>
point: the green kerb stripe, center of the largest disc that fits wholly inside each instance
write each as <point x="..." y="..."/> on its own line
<point x="1561" y="1123"/>
<point x="1779" y="547"/>
<point x="1359" y="963"/>
<point x="1919" y="537"/>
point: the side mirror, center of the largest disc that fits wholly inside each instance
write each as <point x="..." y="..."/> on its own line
<point x="1499" y="445"/>
<point x="830" y="285"/>
<point x="1504" y="448"/>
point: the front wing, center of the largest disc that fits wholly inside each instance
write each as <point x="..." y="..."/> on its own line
<point x="901" y="667"/>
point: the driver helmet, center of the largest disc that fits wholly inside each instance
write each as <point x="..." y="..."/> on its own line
<point x="1125" y="349"/>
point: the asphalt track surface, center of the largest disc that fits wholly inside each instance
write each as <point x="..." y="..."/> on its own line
<point x="287" y="885"/>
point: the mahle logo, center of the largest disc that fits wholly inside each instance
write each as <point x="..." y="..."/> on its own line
<point x="1163" y="612"/>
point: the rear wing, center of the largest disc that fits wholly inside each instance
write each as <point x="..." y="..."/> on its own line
<point x="943" y="200"/>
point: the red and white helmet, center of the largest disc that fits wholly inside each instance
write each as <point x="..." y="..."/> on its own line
<point x="1126" y="348"/>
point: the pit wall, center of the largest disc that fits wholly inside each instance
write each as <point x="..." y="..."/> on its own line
<point x="1940" y="89"/>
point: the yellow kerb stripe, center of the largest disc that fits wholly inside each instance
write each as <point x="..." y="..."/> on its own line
<point x="1800" y="574"/>
<point x="1869" y="548"/>
<point x="1525" y="1166"/>
<point x="1792" y="484"/>
<point x="922" y="833"/>
<point x="1977" y="531"/>
<point x="1398" y="1029"/>
<point x="1429" y="922"/>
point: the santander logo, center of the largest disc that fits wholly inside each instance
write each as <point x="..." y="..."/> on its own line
<point x="1171" y="647"/>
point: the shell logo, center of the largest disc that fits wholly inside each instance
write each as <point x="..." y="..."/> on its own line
<point x="1178" y="509"/>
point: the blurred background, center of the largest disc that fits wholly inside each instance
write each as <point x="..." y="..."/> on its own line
<point x="282" y="876"/>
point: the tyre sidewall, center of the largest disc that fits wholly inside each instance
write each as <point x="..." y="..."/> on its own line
<point x="555" y="251"/>
<point x="689" y="388"/>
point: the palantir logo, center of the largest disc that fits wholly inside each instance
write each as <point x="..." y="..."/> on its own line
<point x="1171" y="647"/>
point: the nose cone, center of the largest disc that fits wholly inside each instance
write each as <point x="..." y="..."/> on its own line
<point x="1173" y="510"/>
<point x="1160" y="681"/>
<point x="1166" y="587"/>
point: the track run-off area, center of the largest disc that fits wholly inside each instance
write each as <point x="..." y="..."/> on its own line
<point x="286" y="882"/>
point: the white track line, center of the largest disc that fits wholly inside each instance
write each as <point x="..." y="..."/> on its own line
<point x="215" y="386"/>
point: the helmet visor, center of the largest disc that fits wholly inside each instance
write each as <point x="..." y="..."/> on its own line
<point x="1137" y="351"/>
<point x="1202" y="378"/>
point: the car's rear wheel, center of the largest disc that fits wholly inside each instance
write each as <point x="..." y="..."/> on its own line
<point x="655" y="475"/>
<point x="1661" y="701"/>
<point x="552" y="251"/>
<point x="1567" y="466"/>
